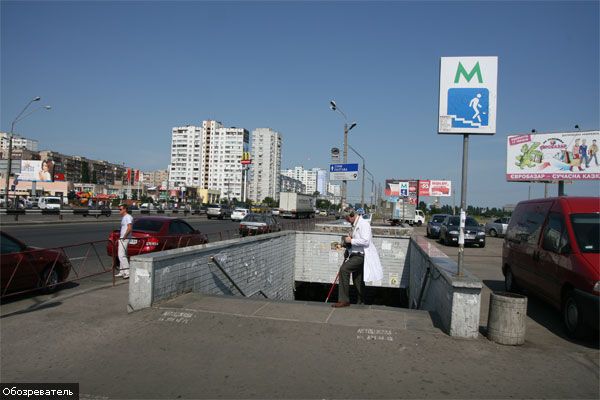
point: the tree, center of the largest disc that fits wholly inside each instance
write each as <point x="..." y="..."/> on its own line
<point x="323" y="204"/>
<point x="270" y="202"/>
<point x="94" y="177"/>
<point x="316" y="193"/>
<point x="422" y="206"/>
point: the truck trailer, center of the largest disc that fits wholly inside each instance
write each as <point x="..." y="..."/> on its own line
<point x="296" y="205"/>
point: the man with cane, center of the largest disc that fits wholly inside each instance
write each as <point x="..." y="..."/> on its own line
<point x="362" y="261"/>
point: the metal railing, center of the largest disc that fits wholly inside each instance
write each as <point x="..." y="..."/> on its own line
<point x="48" y="269"/>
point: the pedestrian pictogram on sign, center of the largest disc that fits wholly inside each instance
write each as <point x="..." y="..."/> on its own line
<point x="468" y="95"/>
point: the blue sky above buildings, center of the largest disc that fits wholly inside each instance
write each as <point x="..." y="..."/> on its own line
<point x="120" y="75"/>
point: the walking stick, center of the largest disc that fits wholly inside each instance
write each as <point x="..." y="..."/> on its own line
<point x="332" y="286"/>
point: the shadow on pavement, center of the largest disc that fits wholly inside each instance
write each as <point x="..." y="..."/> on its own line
<point x="33" y="307"/>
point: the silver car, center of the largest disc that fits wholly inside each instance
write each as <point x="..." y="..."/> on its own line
<point x="497" y="227"/>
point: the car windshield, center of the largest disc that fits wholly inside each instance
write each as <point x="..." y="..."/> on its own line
<point x="147" y="225"/>
<point x="456" y="221"/>
<point x="254" y="218"/>
<point x="53" y="201"/>
<point x="438" y="218"/>
<point x="214" y="206"/>
<point x="587" y="231"/>
<point x="240" y="209"/>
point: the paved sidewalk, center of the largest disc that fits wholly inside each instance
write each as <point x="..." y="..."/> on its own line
<point x="198" y="346"/>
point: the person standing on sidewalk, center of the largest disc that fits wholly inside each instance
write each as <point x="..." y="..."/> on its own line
<point x="363" y="261"/>
<point x="124" y="236"/>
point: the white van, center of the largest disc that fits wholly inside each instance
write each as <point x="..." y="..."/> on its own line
<point x="49" y="203"/>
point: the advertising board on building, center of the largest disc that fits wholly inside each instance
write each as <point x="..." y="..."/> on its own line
<point x="36" y="171"/>
<point x="553" y="156"/>
<point x="435" y="188"/>
<point x="467" y="102"/>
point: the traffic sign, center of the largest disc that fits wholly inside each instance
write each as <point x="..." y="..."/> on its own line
<point x="468" y="87"/>
<point x="343" y="172"/>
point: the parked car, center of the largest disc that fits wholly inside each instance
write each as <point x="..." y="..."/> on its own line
<point x="239" y="213"/>
<point x="218" y="211"/>
<point x="449" y="231"/>
<point x="275" y="211"/>
<point x="199" y="210"/>
<point x="497" y="227"/>
<point x="98" y="210"/>
<point x="434" y="225"/>
<point x="255" y="224"/>
<point x="551" y="249"/>
<point x="49" y="203"/>
<point x="157" y="233"/>
<point x="24" y="267"/>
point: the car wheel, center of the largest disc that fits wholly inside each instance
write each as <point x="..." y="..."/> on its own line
<point x="209" y="217"/>
<point x="427" y="234"/>
<point x="419" y="223"/>
<point x="493" y="232"/>
<point x="482" y="245"/>
<point x="50" y="279"/>
<point x="509" y="281"/>
<point x="573" y="317"/>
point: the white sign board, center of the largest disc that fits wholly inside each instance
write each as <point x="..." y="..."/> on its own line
<point x="468" y="87"/>
<point x="553" y="156"/>
<point x="403" y="189"/>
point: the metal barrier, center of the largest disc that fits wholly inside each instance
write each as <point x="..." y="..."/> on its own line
<point x="49" y="268"/>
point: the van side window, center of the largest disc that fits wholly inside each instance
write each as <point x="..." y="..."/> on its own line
<point x="532" y="226"/>
<point x="555" y="237"/>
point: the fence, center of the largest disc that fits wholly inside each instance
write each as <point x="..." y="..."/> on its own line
<point x="47" y="269"/>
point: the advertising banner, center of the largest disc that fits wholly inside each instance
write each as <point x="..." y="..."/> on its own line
<point x="343" y="172"/>
<point x="36" y="171"/>
<point x="435" y="188"/>
<point x="396" y="188"/>
<point x="553" y="156"/>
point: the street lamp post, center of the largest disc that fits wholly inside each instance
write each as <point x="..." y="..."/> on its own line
<point x="362" y="191"/>
<point x="372" y="184"/>
<point x="10" y="141"/>
<point x="347" y="128"/>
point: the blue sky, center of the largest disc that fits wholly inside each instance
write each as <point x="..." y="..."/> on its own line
<point x="120" y="75"/>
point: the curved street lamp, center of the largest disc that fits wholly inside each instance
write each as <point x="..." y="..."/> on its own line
<point x="12" y="128"/>
<point x="347" y="128"/>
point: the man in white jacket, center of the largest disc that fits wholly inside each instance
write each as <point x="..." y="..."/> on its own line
<point x="363" y="261"/>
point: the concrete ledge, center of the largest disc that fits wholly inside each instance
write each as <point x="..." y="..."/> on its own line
<point x="435" y="286"/>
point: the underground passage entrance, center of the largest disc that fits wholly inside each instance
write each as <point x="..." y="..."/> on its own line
<point x="317" y="292"/>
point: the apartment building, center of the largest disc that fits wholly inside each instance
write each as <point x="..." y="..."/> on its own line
<point x="314" y="179"/>
<point x="287" y="184"/>
<point x="155" y="178"/>
<point x="208" y="157"/>
<point x="266" y="163"/>
<point x="83" y="170"/>
<point x="19" y="142"/>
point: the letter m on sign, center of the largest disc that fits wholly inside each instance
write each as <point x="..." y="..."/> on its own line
<point x="468" y="76"/>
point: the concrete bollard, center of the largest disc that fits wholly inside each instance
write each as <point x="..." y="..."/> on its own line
<point x="507" y="318"/>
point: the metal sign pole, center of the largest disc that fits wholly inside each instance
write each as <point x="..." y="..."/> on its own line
<point x="463" y="203"/>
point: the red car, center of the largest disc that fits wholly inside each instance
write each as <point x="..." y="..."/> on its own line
<point x="24" y="267"/>
<point x="156" y="234"/>
<point x="255" y="224"/>
<point x="552" y="249"/>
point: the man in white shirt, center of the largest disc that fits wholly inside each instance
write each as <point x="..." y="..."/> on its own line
<point x="363" y="261"/>
<point x="124" y="236"/>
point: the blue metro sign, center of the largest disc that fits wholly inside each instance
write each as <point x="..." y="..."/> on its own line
<point x="343" y="168"/>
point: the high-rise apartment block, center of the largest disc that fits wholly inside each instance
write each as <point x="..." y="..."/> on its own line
<point x="209" y="157"/>
<point x="314" y="179"/>
<point x="18" y="142"/>
<point x="266" y="164"/>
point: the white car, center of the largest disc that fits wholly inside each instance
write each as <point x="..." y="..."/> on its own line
<point x="275" y="211"/>
<point x="49" y="203"/>
<point x="239" y="213"/>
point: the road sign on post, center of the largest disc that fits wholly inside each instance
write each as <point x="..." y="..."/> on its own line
<point x="467" y="105"/>
<point x="468" y="95"/>
<point x="343" y="172"/>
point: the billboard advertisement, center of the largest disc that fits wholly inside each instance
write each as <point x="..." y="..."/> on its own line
<point x="396" y="188"/>
<point x="36" y="170"/>
<point x="435" y="188"/>
<point x="553" y="156"/>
